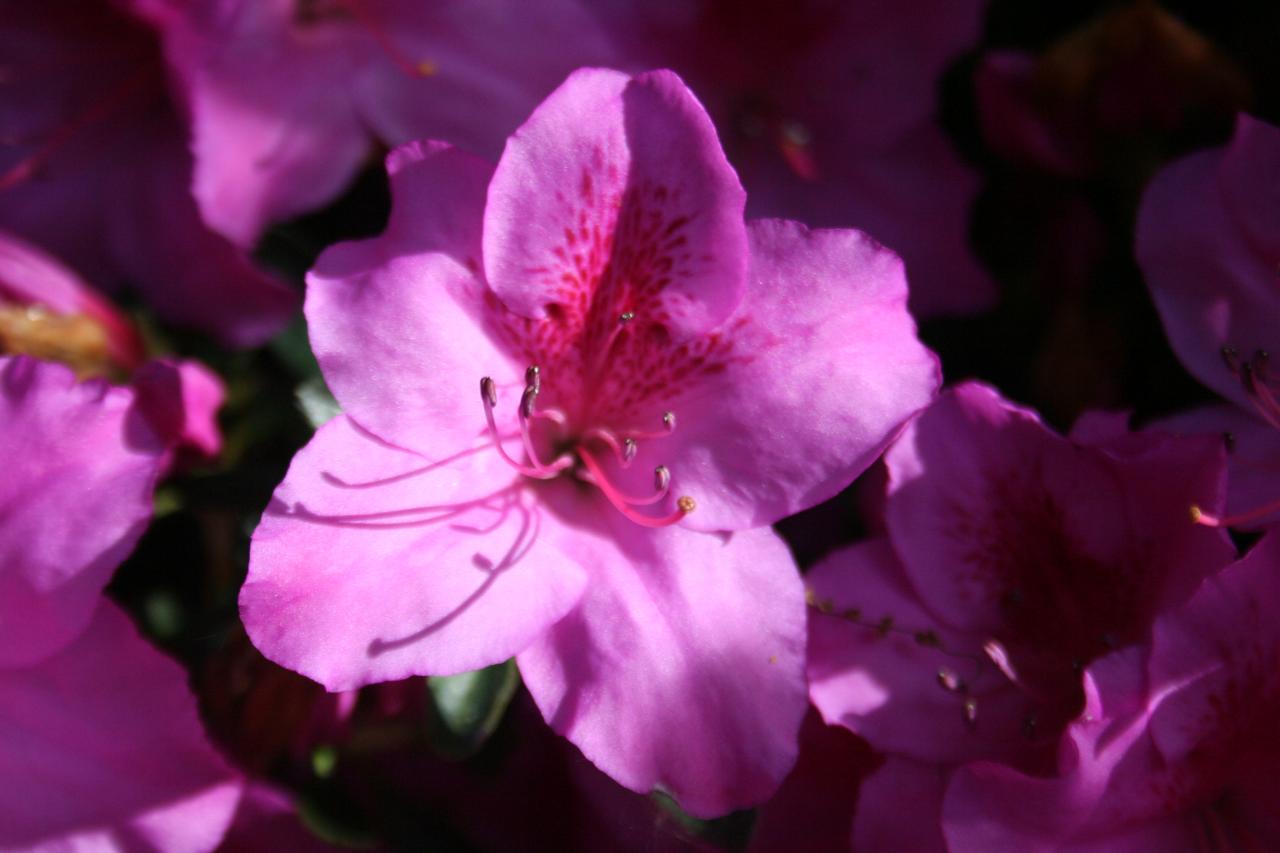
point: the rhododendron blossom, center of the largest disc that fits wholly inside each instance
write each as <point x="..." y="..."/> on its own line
<point x="576" y="387"/>
<point x="1208" y="241"/>
<point x="99" y="738"/>
<point x="1013" y="558"/>
<point x="1176" y="748"/>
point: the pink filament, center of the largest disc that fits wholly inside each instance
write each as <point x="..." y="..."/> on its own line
<point x="622" y="502"/>
<point x="379" y="34"/>
<point x="1199" y="516"/>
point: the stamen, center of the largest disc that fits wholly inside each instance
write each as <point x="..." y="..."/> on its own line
<point x="527" y="400"/>
<point x="533" y="378"/>
<point x="668" y="427"/>
<point x="489" y="396"/>
<point x="996" y="652"/>
<point x="625" y="504"/>
<point x="949" y="681"/>
<point x="1199" y="516"/>
<point x="661" y="478"/>
<point x="419" y="69"/>
<point x="624" y="450"/>
<point x="27" y="167"/>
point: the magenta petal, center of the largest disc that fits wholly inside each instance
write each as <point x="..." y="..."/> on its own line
<point x="442" y="571"/>
<point x="396" y="321"/>
<point x="79" y="469"/>
<point x="102" y="749"/>
<point x="882" y="682"/>
<point x="900" y="808"/>
<point x="618" y="184"/>
<point x="682" y="668"/>
<point x="180" y="399"/>
<point x="824" y="370"/>
<point x="1206" y="242"/>
<point x="1221" y="654"/>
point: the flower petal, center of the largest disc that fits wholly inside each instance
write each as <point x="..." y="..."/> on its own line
<point x="900" y="808"/>
<point x="396" y="322"/>
<point x="615" y="196"/>
<point x="103" y="749"/>
<point x="273" y="132"/>
<point x="80" y="466"/>
<point x="442" y="571"/>
<point x="683" y="665"/>
<point x="823" y="370"/>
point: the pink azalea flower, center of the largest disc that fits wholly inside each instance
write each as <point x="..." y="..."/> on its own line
<point x="94" y="167"/>
<point x="1207" y="243"/>
<point x="830" y="114"/>
<point x="99" y="737"/>
<point x="289" y="96"/>
<point x="596" y="285"/>
<point x="1176" y="748"/>
<point x="1013" y="557"/>
<point x="47" y="311"/>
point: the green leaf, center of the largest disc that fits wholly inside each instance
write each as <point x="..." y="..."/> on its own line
<point x="465" y="709"/>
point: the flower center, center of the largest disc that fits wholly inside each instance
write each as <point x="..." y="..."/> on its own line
<point x="582" y="451"/>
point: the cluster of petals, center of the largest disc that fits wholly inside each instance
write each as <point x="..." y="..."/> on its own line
<point x="577" y="388"/>
<point x="1175" y="749"/>
<point x="1012" y="558"/>
<point x="95" y="168"/>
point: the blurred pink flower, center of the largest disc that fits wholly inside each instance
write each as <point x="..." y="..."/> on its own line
<point x="1176" y="748"/>
<point x="594" y="285"/>
<point x="829" y="111"/>
<point x="99" y="737"/>
<point x="94" y="167"/>
<point x="288" y="97"/>
<point x="1013" y="558"/>
<point x="49" y="312"/>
